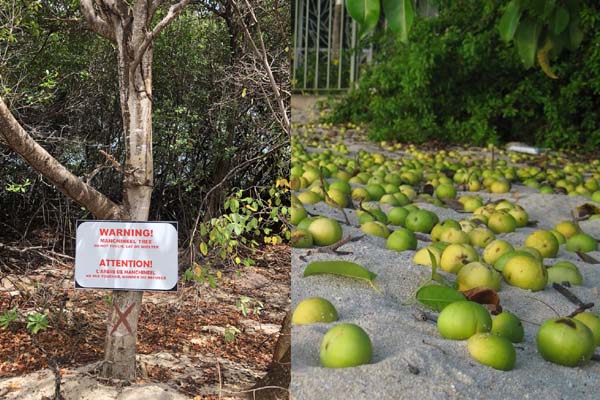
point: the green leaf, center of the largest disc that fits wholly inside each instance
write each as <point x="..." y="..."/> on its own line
<point x="399" y="14"/>
<point x="575" y="33"/>
<point x="365" y="13"/>
<point x="526" y="39"/>
<point x="203" y="248"/>
<point x="344" y="268"/>
<point x="437" y="297"/>
<point x="548" y="8"/>
<point x="560" y="20"/>
<point x="510" y="21"/>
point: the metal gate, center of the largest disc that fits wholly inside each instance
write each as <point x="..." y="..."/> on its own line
<point x="325" y="55"/>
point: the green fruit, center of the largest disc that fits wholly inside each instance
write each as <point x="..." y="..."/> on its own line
<point x="309" y="197"/>
<point x="454" y="236"/>
<point x="520" y="216"/>
<point x="420" y="221"/>
<point x="397" y="215"/>
<point x="565" y="341"/>
<point x="495" y="250"/>
<point x="525" y="272"/>
<point x="401" y="240"/>
<point x="481" y="237"/>
<point x="375" y="191"/>
<point x="360" y="194"/>
<point x="305" y="223"/>
<point x="567" y="228"/>
<point x="441" y="227"/>
<point x="337" y="198"/>
<point x="500" y="187"/>
<point x="477" y="274"/>
<point x="531" y="251"/>
<point x="346" y="345"/>
<point x="462" y="319"/>
<point x="581" y="242"/>
<point x="314" y="310"/>
<point x="374" y="214"/>
<point x="445" y="191"/>
<point x="544" y="242"/>
<point x="508" y="325"/>
<point x="301" y="238"/>
<point x="500" y="222"/>
<point x="491" y="350"/>
<point x="422" y="256"/>
<point x="455" y="256"/>
<point x="325" y="231"/>
<point x="592" y="321"/>
<point x="342" y="186"/>
<point x="565" y="271"/>
<point x="375" y="228"/>
<point x="560" y="238"/>
<point x="297" y="214"/>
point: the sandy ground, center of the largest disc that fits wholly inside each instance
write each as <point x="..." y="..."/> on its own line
<point x="411" y="360"/>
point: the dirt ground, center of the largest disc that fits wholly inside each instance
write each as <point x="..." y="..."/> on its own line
<point x="197" y="343"/>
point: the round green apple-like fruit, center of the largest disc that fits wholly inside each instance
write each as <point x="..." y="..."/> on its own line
<point x="445" y="191"/>
<point x="305" y="223"/>
<point x="346" y="345"/>
<point x="565" y="341"/>
<point x="525" y="272"/>
<point x="401" y="240"/>
<point x="297" y="214"/>
<point x="532" y="251"/>
<point x="559" y="237"/>
<point x="544" y="242"/>
<point x="422" y="256"/>
<point x="492" y="350"/>
<point x="325" y="231"/>
<point x="301" y="239"/>
<point x="337" y="198"/>
<point x="455" y="256"/>
<point x="565" y="271"/>
<point x="462" y="319"/>
<point x="454" y="236"/>
<point x="508" y="325"/>
<point x="420" y="221"/>
<point x="440" y="227"/>
<point x="309" y="197"/>
<point x="374" y="214"/>
<point x="567" y="228"/>
<point x="313" y="310"/>
<point x="592" y="321"/>
<point x="500" y="222"/>
<point x="375" y="228"/>
<point x="495" y="250"/>
<point x="481" y="237"/>
<point x="581" y="242"/>
<point x="477" y="274"/>
<point x="397" y="215"/>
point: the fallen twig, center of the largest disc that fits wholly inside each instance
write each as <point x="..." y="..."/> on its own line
<point x="581" y="306"/>
<point x="333" y="248"/>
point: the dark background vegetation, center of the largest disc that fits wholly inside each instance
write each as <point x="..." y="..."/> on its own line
<point x="210" y="113"/>
<point x="456" y="81"/>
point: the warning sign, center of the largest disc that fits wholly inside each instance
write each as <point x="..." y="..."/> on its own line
<point x="127" y="255"/>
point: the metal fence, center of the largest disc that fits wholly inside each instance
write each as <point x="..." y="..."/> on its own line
<point x="325" y="55"/>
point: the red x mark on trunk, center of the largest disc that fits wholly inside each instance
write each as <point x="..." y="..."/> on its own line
<point x="123" y="319"/>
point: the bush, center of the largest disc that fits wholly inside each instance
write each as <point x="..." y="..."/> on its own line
<point x="456" y="81"/>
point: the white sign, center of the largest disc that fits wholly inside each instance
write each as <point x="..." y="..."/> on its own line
<point x="127" y="255"/>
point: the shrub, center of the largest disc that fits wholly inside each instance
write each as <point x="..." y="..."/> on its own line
<point x="456" y="81"/>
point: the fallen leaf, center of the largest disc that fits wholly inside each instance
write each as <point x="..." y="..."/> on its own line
<point x="587" y="258"/>
<point x="485" y="296"/>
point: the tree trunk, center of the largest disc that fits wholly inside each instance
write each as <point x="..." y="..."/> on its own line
<point x="135" y="85"/>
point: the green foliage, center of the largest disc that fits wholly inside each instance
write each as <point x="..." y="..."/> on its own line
<point x="245" y="221"/>
<point x="399" y="15"/>
<point x="37" y="322"/>
<point x="8" y="317"/>
<point x="245" y="304"/>
<point x="365" y="13"/>
<point x="18" y="187"/>
<point x="541" y="26"/>
<point x="457" y="81"/>
<point x="231" y="333"/>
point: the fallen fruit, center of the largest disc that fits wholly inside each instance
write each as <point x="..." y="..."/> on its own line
<point x="462" y="319"/>
<point x="477" y="274"/>
<point x="526" y="272"/>
<point x="325" y="231"/>
<point x="508" y="325"/>
<point x="544" y="242"/>
<point x="492" y="350"/>
<point x="301" y="239"/>
<point x="581" y="242"/>
<point x="565" y="341"/>
<point x="592" y="321"/>
<point x="401" y="240"/>
<point x="313" y="310"/>
<point x="346" y="345"/>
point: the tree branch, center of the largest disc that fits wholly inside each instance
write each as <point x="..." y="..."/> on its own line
<point x="97" y="24"/>
<point x="261" y="54"/>
<point x="173" y="13"/>
<point x="39" y="159"/>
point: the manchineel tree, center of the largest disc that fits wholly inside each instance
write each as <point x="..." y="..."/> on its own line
<point x="540" y="29"/>
<point x="129" y="26"/>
